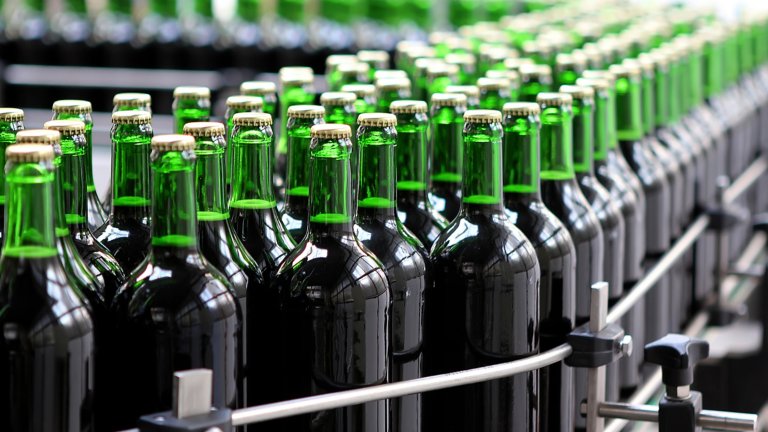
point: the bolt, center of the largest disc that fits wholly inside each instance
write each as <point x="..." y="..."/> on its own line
<point x="626" y="345"/>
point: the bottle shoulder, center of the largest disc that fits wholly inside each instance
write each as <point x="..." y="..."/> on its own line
<point x="549" y="236"/>
<point x="567" y="202"/>
<point x="397" y="249"/>
<point x="606" y="210"/>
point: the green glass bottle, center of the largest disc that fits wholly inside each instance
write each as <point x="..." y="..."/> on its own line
<point x="41" y="385"/>
<point x="295" y="214"/>
<point x="401" y="254"/>
<point x="512" y="76"/>
<point x="190" y="104"/>
<point x="494" y="93"/>
<point x="81" y="110"/>
<point x="440" y="76"/>
<point x="413" y="205"/>
<point x="540" y="50"/>
<point x="70" y="177"/>
<point x="408" y="51"/>
<point x="472" y="92"/>
<point x="126" y="232"/>
<point x="482" y="265"/>
<point x="176" y="311"/>
<point x="78" y="275"/>
<point x="554" y="250"/>
<point x="389" y="73"/>
<point x="296" y="88"/>
<point x="467" y="64"/>
<point x="534" y="79"/>
<point x="447" y="123"/>
<point x="332" y="62"/>
<point x="332" y="299"/>
<point x="11" y="122"/>
<point x="491" y="57"/>
<point x="266" y="90"/>
<point x="569" y="67"/>
<point x="132" y="101"/>
<point x="389" y="90"/>
<point x="340" y="108"/>
<point x="419" y="75"/>
<point x="237" y="104"/>
<point x="217" y="240"/>
<point x="366" y="96"/>
<point x="376" y="60"/>
<point x="514" y="63"/>
<point x="350" y="73"/>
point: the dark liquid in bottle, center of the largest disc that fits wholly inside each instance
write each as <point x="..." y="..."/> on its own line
<point x="295" y="215"/>
<point x="426" y="224"/>
<point x="126" y="235"/>
<point x="446" y="198"/>
<point x="96" y="214"/>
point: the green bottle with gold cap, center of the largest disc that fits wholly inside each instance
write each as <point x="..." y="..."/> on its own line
<point x="534" y="79"/>
<point x="295" y="215"/>
<point x="11" y="122"/>
<point x="176" y="311"/>
<point x="190" y="104"/>
<point x="446" y="116"/>
<point x="413" y="205"/>
<point x="402" y="255"/>
<point x="389" y="90"/>
<point x="132" y="101"/>
<point x="333" y="300"/>
<point x="237" y="104"/>
<point x="554" y="250"/>
<point x="366" y="96"/>
<point x="126" y="232"/>
<point x="296" y="88"/>
<point x="81" y="110"/>
<point x="494" y="93"/>
<point x="375" y="59"/>
<point x="472" y="92"/>
<point x="266" y="90"/>
<point x="482" y="265"/>
<point x="35" y="294"/>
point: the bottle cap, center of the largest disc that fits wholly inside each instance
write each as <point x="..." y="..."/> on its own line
<point x="66" y="127"/>
<point x="72" y="106"/>
<point x="584" y="93"/>
<point x="131" y="117"/>
<point x="516" y="62"/>
<point x="448" y="99"/>
<point x="442" y="70"/>
<point x="337" y="98"/>
<point x="373" y="56"/>
<point x="204" y="129"/>
<point x="38" y="136"/>
<point x="571" y="60"/>
<point x="510" y="75"/>
<point x="306" y="111"/>
<point x="461" y="59"/>
<point x="331" y="131"/>
<point x="469" y="91"/>
<point x="297" y="79"/>
<point x="389" y="73"/>
<point x="173" y="142"/>
<point x="257" y="88"/>
<point x="296" y="70"/>
<point x="250" y="103"/>
<point x="377" y="119"/>
<point x="486" y="84"/>
<point x="191" y="93"/>
<point x="360" y="90"/>
<point x="554" y="99"/>
<point x="600" y="74"/>
<point x="408" y="107"/>
<point x="521" y="108"/>
<point x="598" y="84"/>
<point x="393" y="84"/>
<point x="529" y="71"/>
<point x="132" y="100"/>
<point x="29" y="153"/>
<point x="626" y="70"/>
<point x="482" y="116"/>
<point x="11" y="114"/>
<point x="334" y="60"/>
<point x="357" y="68"/>
<point x="252" y="119"/>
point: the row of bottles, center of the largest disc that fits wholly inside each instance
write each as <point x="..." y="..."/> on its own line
<point x="453" y="214"/>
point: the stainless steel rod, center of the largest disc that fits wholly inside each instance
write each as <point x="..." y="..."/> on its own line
<point x="393" y="390"/>
<point x="707" y="419"/>
<point x="746" y="179"/>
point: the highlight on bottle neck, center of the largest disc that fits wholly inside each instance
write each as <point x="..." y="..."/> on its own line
<point x="191" y="104"/>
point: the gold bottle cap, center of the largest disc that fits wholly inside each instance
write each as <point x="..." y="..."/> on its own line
<point x="29" y="153"/>
<point x="306" y="111"/>
<point x="337" y="98"/>
<point x="442" y="70"/>
<point x="521" y="108"/>
<point x="626" y="70"/>
<point x="408" y="107"/>
<point x="72" y="106"/>
<point x="252" y="119"/>
<point x="448" y="100"/>
<point x="389" y="73"/>
<point x="470" y="91"/>
<point x="204" y="129"/>
<point x="482" y="116"/>
<point x="298" y="79"/>
<point x="257" y="88"/>
<point x="135" y="100"/>
<point x="331" y="131"/>
<point x="334" y="60"/>
<point x="554" y="99"/>
<point x="390" y="84"/>
<point x="296" y="70"/>
<point x="38" y="136"/>
<point x="11" y="114"/>
<point x="173" y="142"/>
<point x="512" y="76"/>
<point x="516" y="62"/>
<point x="66" y="127"/>
<point x="598" y="84"/>
<point x="528" y="71"/>
<point x="493" y="84"/>
<point x="377" y="119"/>
<point x="600" y="74"/>
<point x="250" y="103"/>
<point x="192" y="93"/>
<point x="360" y="90"/>
<point x="584" y="93"/>
<point x="131" y="117"/>
<point x="461" y="59"/>
<point x="571" y="60"/>
<point x="373" y="56"/>
<point x="358" y="68"/>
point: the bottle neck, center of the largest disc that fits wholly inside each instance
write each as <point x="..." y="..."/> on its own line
<point x="557" y="143"/>
<point x="521" y="158"/>
<point x="612" y="119"/>
<point x="494" y="99"/>
<point x="78" y="7"/>
<point x="131" y="169"/>
<point x="71" y="177"/>
<point x="648" y="97"/>
<point x="297" y="175"/>
<point x="481" y="176"/>
<point x="696" y="77"/>
<point x="203" y="8"/>
<point x="629" y="120"/>
<point x="29" y="211"/>
<point x="532" y="88"/>
<point x="8" y="132"/>
<point x="583" y="136"/>
<point x="174" y="216"/>
<point x="209" y="179"/>
<point x="447" y="159"/>
<point x="252" y="163"/>
<point x="88" y="120"/>
<point x="412" y="155"/>
<point x="662" y="96"/>
<point x="713" y="69"/>
<point x="567" y="76"/>
<point x="123" y="7"/>
<point x="60" y="220"/>
<point x="341" y="114"/>
<point x="163" y="8"/>
<point x="376" y="187"/>
<point x="602" y="133"/>
<point x="330" y="199"/>
<point x="190" y="110"/>
<point x="248" y="10"/>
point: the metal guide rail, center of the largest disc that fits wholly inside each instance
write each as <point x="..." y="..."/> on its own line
<point x="679" y="398"/>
